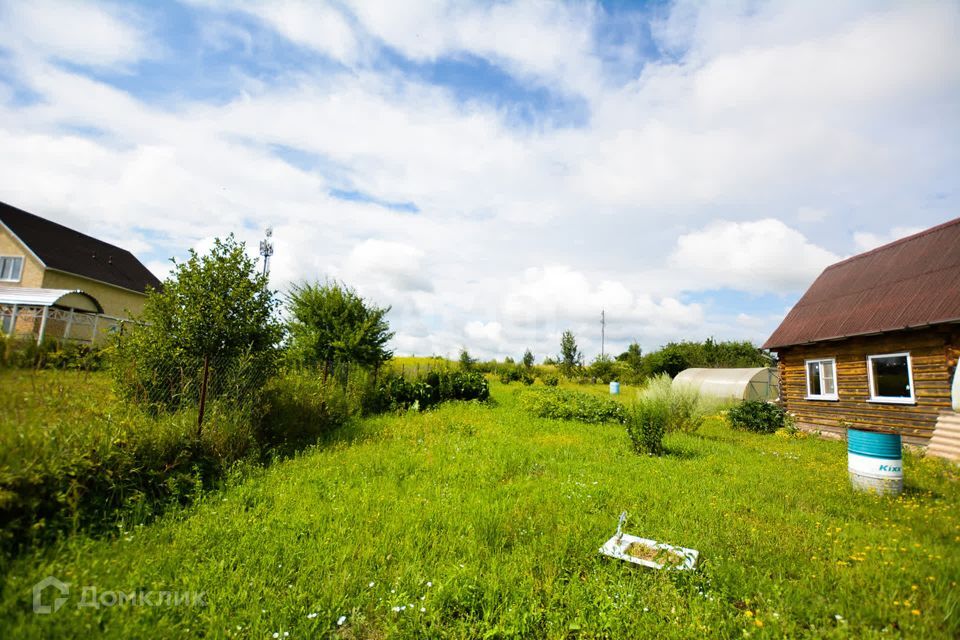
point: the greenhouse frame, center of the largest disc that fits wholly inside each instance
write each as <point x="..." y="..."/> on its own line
<point x="758" y="383"/>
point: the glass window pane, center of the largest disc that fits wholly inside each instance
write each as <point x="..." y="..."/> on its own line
<point x="829" y="379"/>
<point x="891" y="378"/>
<point x="17" y="265"/>
<point x="5" y="264"/>
<point x="813" y="378"/>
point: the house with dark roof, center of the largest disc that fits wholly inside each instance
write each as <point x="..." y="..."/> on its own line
<point x="52" y="278"/>
<point x="873" y="344"/>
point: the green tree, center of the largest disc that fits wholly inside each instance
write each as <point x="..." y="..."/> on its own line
<point x="332" y="324"/>
<point x="603" y="369"/>
<point x="571" y="358"/>
<point x="467" y="362"/>
<point x="214" y="308"/>
<point x="527" y="359"/>
<point x="632" y="357"/>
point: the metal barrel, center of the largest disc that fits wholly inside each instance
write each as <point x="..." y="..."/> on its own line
<point x="615" y="388"/>
<point x="875" y="461"/>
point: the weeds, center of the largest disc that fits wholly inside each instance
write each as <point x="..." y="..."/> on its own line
<point x="548" y="402"/>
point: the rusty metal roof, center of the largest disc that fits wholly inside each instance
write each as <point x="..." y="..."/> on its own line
<point x="913" y="282"/>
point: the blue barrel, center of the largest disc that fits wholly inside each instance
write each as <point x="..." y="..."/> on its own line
<point x="614" y="388"/>
<point x="875" y="461"/>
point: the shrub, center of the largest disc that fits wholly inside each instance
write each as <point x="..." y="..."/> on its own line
<point x="25" y="353"/>
<point x="571" y="405"/>
<point x="682" y="405"/>
<point x="662" y="408"/>
<point x="550" y="379"/>
<point x="757" y="416"/>
<point x="396" y="392"/>
<point x="300" y="407"/>
<point x="646" y="423"/>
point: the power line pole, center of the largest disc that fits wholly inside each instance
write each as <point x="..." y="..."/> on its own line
<point x="603" y="330"/>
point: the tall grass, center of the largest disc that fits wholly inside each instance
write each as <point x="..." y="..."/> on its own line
<point x="75" y="456"/>
<point x="473" y="521"/>
<point x="660" y="407"/>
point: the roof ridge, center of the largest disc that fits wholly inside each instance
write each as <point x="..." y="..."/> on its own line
<point x="892" y="243"/>
<point x="64" y="227"/>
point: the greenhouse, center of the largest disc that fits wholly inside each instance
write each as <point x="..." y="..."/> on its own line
<point x="759" y="383"/>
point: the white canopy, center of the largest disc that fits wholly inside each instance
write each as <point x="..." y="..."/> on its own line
<point x="759" y="383"/>
<point x="64" y="298"/>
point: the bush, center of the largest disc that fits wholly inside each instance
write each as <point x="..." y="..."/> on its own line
<point x="396" y="392"/>
<point x="662" y="408"/>
<point x="550" y="379"/>
<point x="25" y="353"/>
<point x="300" y="407"/>
<point x="646" y="423"/>
<point x="682" y="405"/>
<point x="508" y="373"/>
<point x="757" y="416"/>
<point x="571" y="405"/>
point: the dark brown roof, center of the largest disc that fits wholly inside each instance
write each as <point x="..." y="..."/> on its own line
<point x="913" y="282"/>
<point x="64" y="249"/>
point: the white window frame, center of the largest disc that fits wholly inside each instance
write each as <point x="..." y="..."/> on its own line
<point x="894" y="399"/>
<point x="19" y="273"/>
<point x="806" y="375"/>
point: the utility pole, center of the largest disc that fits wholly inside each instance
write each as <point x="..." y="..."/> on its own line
<point x="603" y="330"/>
<point x="266" y="250"/>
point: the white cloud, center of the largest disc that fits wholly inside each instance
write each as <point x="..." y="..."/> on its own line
<point x="379" y="263"/>
<point x="761" y="256"/>
<point x="101" y="35"/>
<point x="319" y="26"/>
<point x="866" y="240"/>
<point x="671" y="186"/>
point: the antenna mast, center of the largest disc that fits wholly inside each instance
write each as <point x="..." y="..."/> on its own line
<point x="603" y="330"/>
<point x="266" y="250"/>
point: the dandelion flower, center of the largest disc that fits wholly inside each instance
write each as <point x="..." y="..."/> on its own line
<point x="915" y="612"/>
<point x="758" y="622"/>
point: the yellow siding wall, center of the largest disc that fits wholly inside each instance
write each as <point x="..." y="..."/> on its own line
<point x="32" y="274"/>
<point x="115" y="301"/>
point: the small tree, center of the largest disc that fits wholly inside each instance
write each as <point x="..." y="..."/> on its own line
<point x="571" y="358"/>
<point x="527" y="359"/>
<point x="331" y="324"/>
<point x="603" y="369"/>
<point x="467" y="363"/>
<point x="215" y="306"/>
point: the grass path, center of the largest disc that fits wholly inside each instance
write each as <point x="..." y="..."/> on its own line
<point x="480" y="521"/>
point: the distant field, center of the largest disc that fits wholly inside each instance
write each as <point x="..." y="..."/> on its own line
<point x="479" y="521"/>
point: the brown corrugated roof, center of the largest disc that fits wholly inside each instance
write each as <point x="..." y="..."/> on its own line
<point x="913" y="282"/>
<point x="64" y="249"/>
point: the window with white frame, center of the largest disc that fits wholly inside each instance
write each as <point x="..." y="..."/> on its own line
<point x="10" y="268"/>
<point x="891" y="378"/>
<point x="822" y="379"/>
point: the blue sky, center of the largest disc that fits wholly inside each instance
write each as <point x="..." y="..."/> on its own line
<point x="497" y="172"/>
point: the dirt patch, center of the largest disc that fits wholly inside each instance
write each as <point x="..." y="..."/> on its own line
<point x="654" y="554"/>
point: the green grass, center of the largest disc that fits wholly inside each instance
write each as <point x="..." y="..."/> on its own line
<point x="490" y="520"/>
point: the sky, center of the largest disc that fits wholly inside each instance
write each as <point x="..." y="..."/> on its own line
<point x="497" y="172"/>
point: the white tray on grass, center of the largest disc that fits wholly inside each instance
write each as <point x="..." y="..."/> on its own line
<point x="649" y="553"/>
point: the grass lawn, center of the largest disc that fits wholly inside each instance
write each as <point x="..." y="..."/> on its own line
<point x="478" y="521"/>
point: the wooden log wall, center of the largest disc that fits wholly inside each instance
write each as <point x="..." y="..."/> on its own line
<point x="933" y="354"/>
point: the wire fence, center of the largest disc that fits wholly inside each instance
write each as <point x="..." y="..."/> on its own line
<point x="170" y="385"/>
